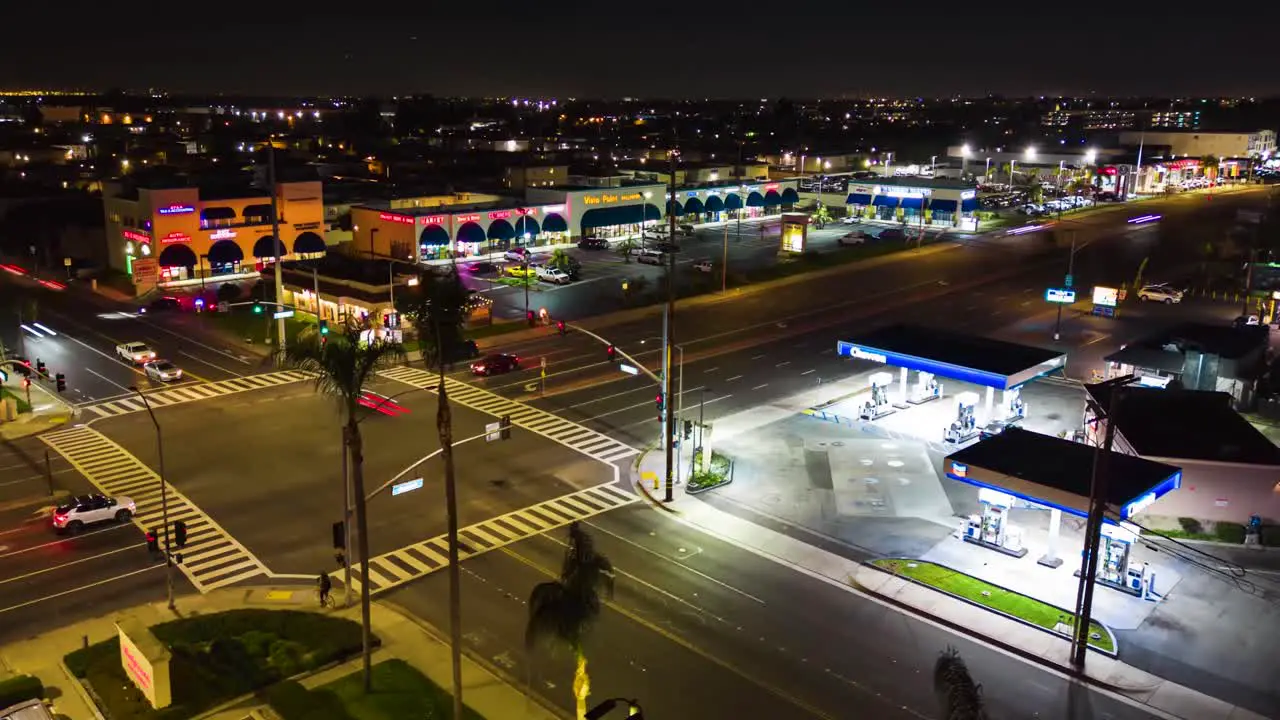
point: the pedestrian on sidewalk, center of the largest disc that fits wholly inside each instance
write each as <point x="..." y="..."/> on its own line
<point x="325" y="586"/>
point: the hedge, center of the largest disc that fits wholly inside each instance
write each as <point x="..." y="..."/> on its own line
<point x="1229" y="532"/>
<point x="291" y="701"/>
<point x="20" y="688"/>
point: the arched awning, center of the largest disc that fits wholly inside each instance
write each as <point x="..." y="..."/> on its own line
<point x="714" y="203"/>
<point x="755" y="199"/>
<point x="611" y="217"/>
<point x="526" y="225"/>
<point x="674" y="208"/>
<point x="470" y="233"/>
<point x="693" y="206"/>
<point x="501" y="230"/>
<point x="733" y="201"/>
<point x="261" y="213"/>
<point x="218" y="213"/>
<point x="554" y="223"/>
<point x="790" y="196"/>
<point x="262" y="248"/>
<point x="433" y="235"/>
<point x="224" y="252"/>
<point x="772" y="198"/>
<point x="309" y="243"/>
<point x="177" y="256"/>
<point x="651" y="212"/>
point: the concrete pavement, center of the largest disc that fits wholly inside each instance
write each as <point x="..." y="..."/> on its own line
<point x="402" y="635"/>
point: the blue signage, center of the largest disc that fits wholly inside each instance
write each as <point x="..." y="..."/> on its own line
<point x="404" y="487"/>
<point x="911" y="362"/>
<point x="1068" y="281"/>
<point x="1060" y="295"/>
<point x="176" y="210"/>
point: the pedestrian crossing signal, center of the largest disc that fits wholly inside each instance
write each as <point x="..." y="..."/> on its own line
<point x="257" y="309"/>
<point x="180" y="533"/>
<point x="612" y="352"/>
<point x="324" y="327"/>
<point x="339" y="535"/>
<point x="61" y="380"/>
<point x="153" y="541"/>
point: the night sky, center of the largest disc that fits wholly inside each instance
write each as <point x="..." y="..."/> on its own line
<point x="562" y="48"/>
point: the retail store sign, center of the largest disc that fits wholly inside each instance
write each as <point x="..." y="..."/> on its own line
<point x="499" y="214"/>
<point x="396" y="218"/>
<point x="968" y="194"/>
<point x="610" y="198"/>
<point x="473" y="217"/>
<point x="552" y="209"/>
<point x="1106" y="296"/>
<point x="902" y="192"/>
<point x="176" y="210"/>
<point x="860" y="354"/>
<point x="146" y="661"/>
<point x="223" y="234"/>
<point x="1060" y="295"/>
<point x="959" y="469"/>
<point x="135" y="236"/>
<point x="432" y="220"/>
<point x="175" y="237"/>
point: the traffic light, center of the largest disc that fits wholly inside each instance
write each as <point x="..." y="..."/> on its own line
<point x="257" y="308"/>
<point x="61" y="379"/>
<point x="180" y="533"/>
<point x="26" y="382"/>
<point x="339" y="535"/>
<point x="612" y="352"/>
<point x="560" y="327"/>
<point x="153" y="541"/>
<point x="324" y="327"/>
<point x="660" y="405"/>
<point x="40" y="367"/>
<point x="504" y="427"/>
<point x="688" y="429"/>
<point x="533" y="319"/>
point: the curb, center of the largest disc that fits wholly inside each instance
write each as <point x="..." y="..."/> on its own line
<point x="80" y="690"/>
<point x="635" y="482"/>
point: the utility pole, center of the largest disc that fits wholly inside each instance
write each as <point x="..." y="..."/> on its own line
<point x="275" y="236"/>
<point x="724" y="262"/>
<point x="1071" y="260"/>
<point x="668" y="332"/>
<point x="1093" y="534"/>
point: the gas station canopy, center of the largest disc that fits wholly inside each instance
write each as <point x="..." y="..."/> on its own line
<point x="1055" y="472"/>
<point x="981" y="361"/>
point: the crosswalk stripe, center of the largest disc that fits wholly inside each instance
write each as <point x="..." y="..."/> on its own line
<point x="211" y="559"/>
<point x="393" y="568"/>
<point x="194" y="392"/>
<point x="553" y="427"/>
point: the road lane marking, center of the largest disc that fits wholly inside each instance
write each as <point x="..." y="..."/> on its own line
<point x="211" y="554"/>
<point x="397" y="567"/>
<point x="58" y="542"/>
<point x="109" y="339"/>
<point x="735" y="377"/>
<point x="784" y="362"/>
<point x="756" y="357"/>
<point x="185" y="392"/>
<point x="806" y="372"/>
<point x="711" y="369"/>
<point x="69" y="564"/>
<point x="187" y="338"/>
<point x="91" y="371"/>
<point x="760" y="387"/>
<point x="609" y="397"/>
<point x="90" y="586"/>
<point x="202" y="361"/>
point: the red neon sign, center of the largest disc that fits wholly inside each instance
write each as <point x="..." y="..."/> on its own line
<point x="175" y="237"/>
<point x="135" y="236"/>
<point x="500" y="215"/>
<point x="473" y="217"/>
<point x="771" y="186"/>
<point x="392" y="217"/>
<point x="527" y="211"/>
<point x="431" y="220"/>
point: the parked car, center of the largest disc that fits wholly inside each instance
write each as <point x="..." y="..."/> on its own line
<point x="135" y="352"/>
<point x="666" y="247"/>
<point x="83" y="510"/>
<point x="892" y="234"/>
<point x="850" y="219"/>
<point x="483" y="268"/>
<point x="1160" y="293"/>
<point x="703" y="266"/>
<point x="521" y="271"/>
<point x="593" y="243"/>
<point x="857" y="237"/>
<point x="651" y="257"/>
<point x="495" y="364"/>
<point x="553" y="275"/>
<point x="164" y="304"/>
<point x="162" y="370"/>
<point x="520" y="255"/>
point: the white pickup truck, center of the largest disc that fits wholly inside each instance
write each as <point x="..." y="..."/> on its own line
<point x="135" y="352"/>
<point x="550" y="274"/>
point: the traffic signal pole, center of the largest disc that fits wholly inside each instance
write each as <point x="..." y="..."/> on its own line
<point x="275" y="236"/>
<point x="164" y="498"/>
<point x="668" y="337"/>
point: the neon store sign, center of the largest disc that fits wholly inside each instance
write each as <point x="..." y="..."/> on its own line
<point x="608" y="199"/>
<point x="175" y="237"/>
<point x="177" y="210"/>
<point x="392" y="217"/>
<point x="223" y="234"/>
<point x="135" y="236"/>
<point x="431" y="220"/>
<point x="473" y="217"/>
<point x="500" y="215"/>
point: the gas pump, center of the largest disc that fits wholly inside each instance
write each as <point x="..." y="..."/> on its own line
<point x="965" y="425"/>
<point x="1013" y="406"/>
<point x="926" y="388"/>
<point x="1113" y="554"/>
<point x="992" y="528"/>
<point x="878" y="405"/>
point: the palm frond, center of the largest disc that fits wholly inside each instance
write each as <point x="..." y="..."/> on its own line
<point x="546" y="614"/>
<point x="566" y="608"/>
<point x="343" y="363"/>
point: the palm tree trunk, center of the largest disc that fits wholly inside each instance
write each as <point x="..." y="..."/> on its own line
<point x="581" y="684"/>
<point x="362" y="543"/>
<point x="444" y="423"/>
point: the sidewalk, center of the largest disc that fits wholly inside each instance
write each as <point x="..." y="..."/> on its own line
<point x="1032" y="644"/>
<point x="402" y="635"/>
<point x="47" y="410"/>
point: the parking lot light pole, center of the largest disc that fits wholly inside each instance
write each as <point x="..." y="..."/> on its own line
<point x="164" y="496"/>
<point x="1071" y="262"/>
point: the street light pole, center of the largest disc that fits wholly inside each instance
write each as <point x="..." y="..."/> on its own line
<point x="164" y="497"/>
<point x="275" y="238"/>
<point x="668" y="333"/>
<point x="1071" y="262"/>
<point x="724" y="263"/>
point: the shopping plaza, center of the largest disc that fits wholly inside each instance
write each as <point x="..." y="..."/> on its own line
<point x="916" y="201"/>
<point x="554" y="216"/>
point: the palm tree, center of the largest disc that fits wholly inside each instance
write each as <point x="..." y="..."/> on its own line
<point x="959" y="696"/>
<point x="438" y="310"/>
<point x="559" y="259"/>
<point x="564" y="609"/>
<point x="342" y="365"/>
<point x="821" y="216"/>
<point x="625" y="247"/>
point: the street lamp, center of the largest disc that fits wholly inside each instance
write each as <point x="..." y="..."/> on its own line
<point x="164" y="496"/>
<point x="1031" y="153"/>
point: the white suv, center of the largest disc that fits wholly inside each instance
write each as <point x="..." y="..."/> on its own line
<point x="89" y="509"/>
<point x="136" y="352"/>
<point x="1160" y="293"/>
<point x="552" y="275"/>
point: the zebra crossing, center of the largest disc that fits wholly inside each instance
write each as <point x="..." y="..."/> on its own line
<point x="409" y="563"/>
<point x="192" y="392"/>
<point x="566" y="432"/>
<point x="211" y="558"/>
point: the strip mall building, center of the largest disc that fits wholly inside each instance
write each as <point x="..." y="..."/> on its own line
<point x="915" y="201"/>
<point x="553" y="216"/>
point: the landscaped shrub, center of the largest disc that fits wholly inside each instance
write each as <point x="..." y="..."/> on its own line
<point x="1270" y="535"/>
<point x="293" y="702"/>
<point x="20" y="688"/>
<point x="79" y="661"/>
<point x="1191" y="525"/>
<point x="1229" y="532"/>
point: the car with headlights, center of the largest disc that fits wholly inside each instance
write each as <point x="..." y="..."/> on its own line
<point x="162" y="371"/>
<point x="136" y="352"/>
<point x="84" y="510"/>
<point x="1160" y="293"/>
<point x="495" y="364"/>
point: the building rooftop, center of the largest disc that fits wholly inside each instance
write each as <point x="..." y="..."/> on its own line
<point x="1225" y="341"/>
<point x="1185" y="424"/>
<point x="920" y="182"/>
<point x="503" y="204"/>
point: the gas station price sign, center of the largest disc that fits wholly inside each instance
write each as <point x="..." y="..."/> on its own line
<point x="1060" y="295"/>
<point x="1106" y="296"/>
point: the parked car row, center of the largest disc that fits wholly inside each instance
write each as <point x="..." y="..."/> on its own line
<point x="1062" y="204"/>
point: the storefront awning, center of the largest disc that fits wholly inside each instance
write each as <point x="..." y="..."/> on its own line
<point x="526" y="225"/>
<point x="501" y="230"/>
<point x="969" y="205"/>
<point x="790" y="196"/>
<point x="858" y="199"/>
<point x="433" y="235"/>
<point x="693" y="206"/>
<point x="673" y="208"/>
<point x="554" y="223"/>
<point x="912" y="203"/>
<point x="651" y="212"/>
<point x="942" y="205"/>
<point x="732" y="201"/>
<point x="470" y="233"/>
<point x="177" y="256"/>
<point x="612" y="217"/>
<point x="714" y="204"/>
<point x="262" y="248"/>
<point x="217" y="213"/>
<point x="225" y="252"/>
<point x="885" y="201"/>
<point x="755" y="199"/>
<point x="772" y="198"/>
<point x="309" y="243"/>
